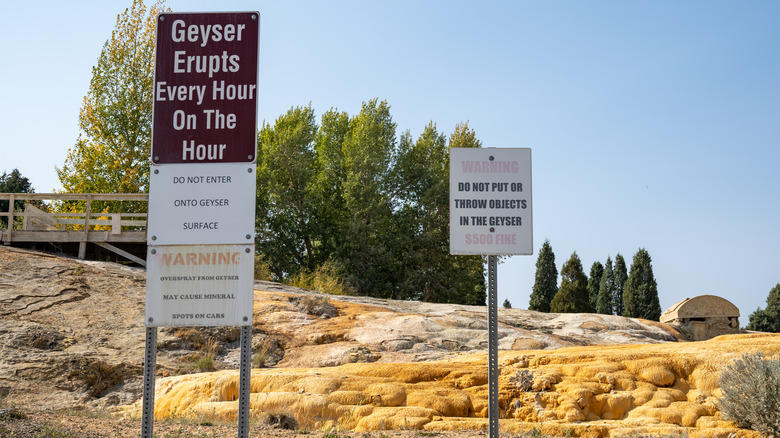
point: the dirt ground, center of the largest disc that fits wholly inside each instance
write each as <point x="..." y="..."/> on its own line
<point x="19" y="424"/>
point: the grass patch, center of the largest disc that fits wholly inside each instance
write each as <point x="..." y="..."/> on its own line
<point x="205" y="358"/>
<point x="11" y="414"/>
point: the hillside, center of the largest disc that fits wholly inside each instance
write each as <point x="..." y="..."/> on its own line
<point x="72" y="336"/>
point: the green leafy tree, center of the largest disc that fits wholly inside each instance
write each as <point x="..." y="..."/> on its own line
<point x="468" y="271"/>
<point x="594" y="281"/>
<point x="545" y="280"/>
<point x="606" y="288"/>
<point x="13" y="182"/>
<point x="572" y="296"/>
<point x="369" y="151"/>
<point x="640" y="296"/>
<point x="421" y="212"/>
<point x="345" y="204"/>
<point x="286" y="215"/>
<point x="621" y="276"/>
<point x="328" y="190"/>
<point x="111" y="154"/>
<point x="767" y="319"/>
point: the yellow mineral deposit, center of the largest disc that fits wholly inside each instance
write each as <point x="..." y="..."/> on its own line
<point x="584" y="391"/>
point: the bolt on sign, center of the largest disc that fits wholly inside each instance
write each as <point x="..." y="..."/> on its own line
<point x="210" y="203"/>
<point x="199" y="285"/>
<point x="205" y="91"/>
<point x="200" y="269"/>
<point x="490" y="201"/>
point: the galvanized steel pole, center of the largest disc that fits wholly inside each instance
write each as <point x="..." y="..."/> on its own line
<point x="244" y="381"/>
<point x="150" y="363"/>
<point x="492" y="348"/>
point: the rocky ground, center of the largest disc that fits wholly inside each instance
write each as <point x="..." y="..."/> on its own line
<point x="85" y="425"/>
<point x="72" y="348"/>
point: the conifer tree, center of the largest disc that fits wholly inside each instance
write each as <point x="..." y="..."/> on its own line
<point x="621" y="275"/>
<point x="594" y="281"/>
<point x="572" y="296"/>
<point x="545" y="281"/>
<point x="606" y="288"/>
<point x="767" y="319"/>
<point x="640" y="297"/>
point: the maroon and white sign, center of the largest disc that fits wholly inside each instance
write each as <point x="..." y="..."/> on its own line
<point x="202" y="185"/>
<point x="205" y="92"/>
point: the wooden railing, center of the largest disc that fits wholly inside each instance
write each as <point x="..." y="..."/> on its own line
<point x="39" y="225"/>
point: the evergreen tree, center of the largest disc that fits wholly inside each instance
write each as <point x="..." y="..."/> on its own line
<point x="640" y="297"/>
<point x="768" y="319"/>
<point x="621" y="276"/>
<point x="545" y="280"/>
<point x="594" y="281"/>
<point x="572" y="297"/>
<point x="606" y="289"/>
<point x="507" y="304"/>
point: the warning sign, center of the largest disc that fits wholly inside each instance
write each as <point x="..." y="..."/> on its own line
<point x="490" y="201"/>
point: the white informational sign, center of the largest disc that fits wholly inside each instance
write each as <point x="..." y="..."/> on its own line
<point x="490" y="201"/>
<point x="199" y="285"/>
<point x="202" y="204"/>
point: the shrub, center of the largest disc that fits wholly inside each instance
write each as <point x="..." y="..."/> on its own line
<point x="325" y="279"/>
<point x="99" y="376"/>
<point x="278" y="420"/>
<point x="263" y="269"/>
<point x="751" y="393"/>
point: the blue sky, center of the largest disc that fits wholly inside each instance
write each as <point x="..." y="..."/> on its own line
<point x="653" y="124"/>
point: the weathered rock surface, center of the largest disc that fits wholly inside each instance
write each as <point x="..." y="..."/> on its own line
<point x="72" y="334"/>
<point x="617" y="390"/>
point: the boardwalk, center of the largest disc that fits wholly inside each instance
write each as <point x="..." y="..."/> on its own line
<point x="44" y="217"/>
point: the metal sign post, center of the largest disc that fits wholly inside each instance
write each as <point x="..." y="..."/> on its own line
<point x="150" y="362"/>
<point x="492" y="347"/>
<point x="244" y="381"/>
<point x="200" y="228"/>
<point x="490" y="214"/>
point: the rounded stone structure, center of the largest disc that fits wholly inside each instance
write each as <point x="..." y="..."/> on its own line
<point x="703" y="317"/>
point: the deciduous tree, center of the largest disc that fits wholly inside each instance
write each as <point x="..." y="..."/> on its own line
<point x="368" y="148"/>
<point x="13" y="182"/>
<point x="421" y="197"/>
<point x="346" y="200"/>
<point x="286" y="215"/>
<point x="111" y="154"/>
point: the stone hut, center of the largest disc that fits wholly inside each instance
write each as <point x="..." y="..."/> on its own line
<point x="703" y="317"/>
